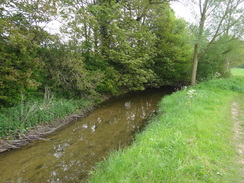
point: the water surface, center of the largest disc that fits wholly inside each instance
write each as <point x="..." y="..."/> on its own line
<point x="68" y="154"/>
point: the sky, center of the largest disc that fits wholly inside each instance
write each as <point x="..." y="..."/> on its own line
<point x="182" y="11"/>
<point x="53" y="27"/>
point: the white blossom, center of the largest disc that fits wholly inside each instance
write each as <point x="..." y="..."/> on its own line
<point x="191" y="93"/>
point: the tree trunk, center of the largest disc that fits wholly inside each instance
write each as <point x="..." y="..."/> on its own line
<point x="195" y="64"/>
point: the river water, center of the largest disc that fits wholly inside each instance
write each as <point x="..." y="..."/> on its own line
<point x="68" y="154"/>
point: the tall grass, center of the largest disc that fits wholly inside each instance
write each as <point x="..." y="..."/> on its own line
<point x="190" y="141"/>
<point x="20" y="118"/>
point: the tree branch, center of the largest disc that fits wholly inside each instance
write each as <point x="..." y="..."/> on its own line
<point x="220" y="23"/>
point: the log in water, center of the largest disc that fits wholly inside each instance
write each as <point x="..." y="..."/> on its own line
<point x="68" y="154"/>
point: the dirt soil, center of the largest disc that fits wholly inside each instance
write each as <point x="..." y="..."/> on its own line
<point x="239" y="135"/>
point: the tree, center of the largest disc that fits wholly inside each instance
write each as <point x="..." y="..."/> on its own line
<point x="173" y="49"/>
<point x="121" y="38"/>
<point x="20" y="37"/>
<point x="215" y="19"/>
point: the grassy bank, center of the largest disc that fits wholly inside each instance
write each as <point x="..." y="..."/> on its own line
<point x="237" y="72"/>
<point x="191" y="140"/>
<point x="37" y="111"/>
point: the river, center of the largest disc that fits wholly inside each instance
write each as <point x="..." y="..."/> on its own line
<point x="68" y="154"/>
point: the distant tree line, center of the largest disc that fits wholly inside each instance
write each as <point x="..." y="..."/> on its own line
<point x="110" y="46"/>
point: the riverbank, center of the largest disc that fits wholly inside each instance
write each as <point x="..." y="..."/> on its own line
<point x="191" y="140"/>
<point x="36" y="118"/>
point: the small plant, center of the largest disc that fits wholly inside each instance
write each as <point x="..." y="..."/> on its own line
<point x="191" y="93"/>
<point x="28" y="110"/>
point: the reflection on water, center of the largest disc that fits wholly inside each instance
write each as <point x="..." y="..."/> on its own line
<point x="69" y="154"/>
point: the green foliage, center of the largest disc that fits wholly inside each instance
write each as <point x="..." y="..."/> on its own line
<point x="66" y="73"/>
<point x="219" y="58"/>
<point x="19" y="63"/>
<point x="110" y="84"/>
<point x="109" y="46"/>
<point x="20" y="38"/>
<point x="133" y="58"/>
<point x="142" y="44"/>
<point x="173" y="52"/>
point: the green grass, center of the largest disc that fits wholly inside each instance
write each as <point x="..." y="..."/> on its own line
<point x="237" y="71"/>
<point x="18" y="119"/>
<point x="190" y="141"/>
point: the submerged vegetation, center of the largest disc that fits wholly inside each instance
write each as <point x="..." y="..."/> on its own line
<point x="191" y="140"/>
